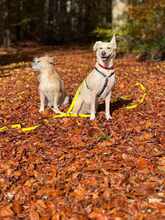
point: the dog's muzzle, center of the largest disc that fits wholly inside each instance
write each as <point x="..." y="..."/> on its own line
<point x="34" y="65"/>
<point x="105" y="57"/>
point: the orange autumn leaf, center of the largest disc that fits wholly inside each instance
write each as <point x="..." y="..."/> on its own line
<point x="33" y="215"/>
<point x="79" y="193"/>
<point x="98" y="216"/>
<point x="6" y="211"/>
<point x="142" y="163"/>
<point x="55" y="217"/>
<point x="17" y="208"/>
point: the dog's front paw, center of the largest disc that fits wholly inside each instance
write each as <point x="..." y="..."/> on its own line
<point x="50" y="105"/>
<point x="56" y="110"/>
<point x="108" y="117"/>
<point x="92" y="117"/>
<point x="41" y="110"/>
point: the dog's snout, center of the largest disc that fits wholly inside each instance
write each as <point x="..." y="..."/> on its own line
<point x="35" y="60"/>
<point x="103" y="53"/>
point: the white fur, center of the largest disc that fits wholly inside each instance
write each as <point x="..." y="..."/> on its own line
<point x="51" y="87"/>
<point x="87" y="100"/>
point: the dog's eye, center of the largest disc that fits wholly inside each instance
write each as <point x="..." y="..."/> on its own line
<point x="101" y="48"/>
<point x="108" y="48"/>
<point x="35" y="60"/>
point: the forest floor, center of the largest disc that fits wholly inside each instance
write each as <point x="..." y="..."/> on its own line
<point x="73" y="168"/>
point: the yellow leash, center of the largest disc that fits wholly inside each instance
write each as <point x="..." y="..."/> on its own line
<point x="140" y="100"/>
<point x="69" y="114"/>
<point x="18" y="126"/>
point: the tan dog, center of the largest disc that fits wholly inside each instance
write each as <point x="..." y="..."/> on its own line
<point x="98" y="84"/>
<point x="51" y="87"/>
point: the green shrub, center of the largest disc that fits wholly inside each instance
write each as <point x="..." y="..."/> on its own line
<point x="144" y="31"/>
<point x="121" y="35"/>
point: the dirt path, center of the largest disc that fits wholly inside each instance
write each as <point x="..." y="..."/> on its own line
<point x="77" y="169"/>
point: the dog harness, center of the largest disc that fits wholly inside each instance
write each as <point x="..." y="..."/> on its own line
<point x="106" y="79"/>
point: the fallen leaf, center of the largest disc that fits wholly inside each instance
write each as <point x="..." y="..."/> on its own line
<point x="33" y="215"/>
<point x="6" y="211"/>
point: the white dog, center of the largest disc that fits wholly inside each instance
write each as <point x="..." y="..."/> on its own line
<point x="51" y="87"/>
<point x="98" y="84"/>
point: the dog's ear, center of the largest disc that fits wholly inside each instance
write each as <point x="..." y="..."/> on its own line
<point x="113" y="42"/>
<point x="96" y="45"/>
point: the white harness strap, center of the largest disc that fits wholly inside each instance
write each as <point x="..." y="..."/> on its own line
<point x="106" y="81"/>
<point x="107" y="77"/>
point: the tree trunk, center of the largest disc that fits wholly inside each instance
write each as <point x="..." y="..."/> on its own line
<point x="6" y="33"/>
<point x="46" y="12"/>
<point x="46" y="18"/>
<point x="6" y="38"/>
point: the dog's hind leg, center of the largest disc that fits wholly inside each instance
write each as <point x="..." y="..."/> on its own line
<point x="77" y="106"/>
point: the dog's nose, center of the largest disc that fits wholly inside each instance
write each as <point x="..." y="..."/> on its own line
<point x="103" y="53"/>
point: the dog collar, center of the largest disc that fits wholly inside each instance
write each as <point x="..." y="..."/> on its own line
<point x="106" y="72"/>
<point x="106" y="68"/>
